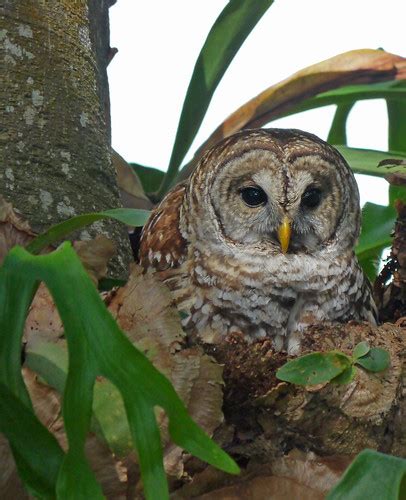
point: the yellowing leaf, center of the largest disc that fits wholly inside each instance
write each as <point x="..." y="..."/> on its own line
<point x="355" y="66"/>
<point x="350" y="68"/>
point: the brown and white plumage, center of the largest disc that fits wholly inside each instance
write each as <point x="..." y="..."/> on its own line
<point x="261" y="239"/>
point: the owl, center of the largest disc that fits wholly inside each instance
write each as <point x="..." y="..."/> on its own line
<point x="260" y="240"/>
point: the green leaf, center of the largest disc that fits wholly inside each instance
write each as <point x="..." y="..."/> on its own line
<point x="370" y="262"/>
<point x="397" y="121"/>
<point x="372" y="475"/>
<point x="376" y="360"/>
<point x="50" y="361"/>
<point x="106" y="284"/>
<point x="36" y="470"/>
<point x="365" y="161"/>
<point x="314" y="368"/>
<point x="39" y="463"/>
<point x="377" y="226"/>
<point x="345" y="377"/>
<point x="112" y="426"/>
<point x="361" y="349"/>
<point x="396" y="125"/>
<point x="151" y="178"/>
<point x="397" y="193"/>
<point x="96" y="347"/>
<point x="129" y="216"/>
<point x="226" y="36"/>
<point x="391" y="89"/>
<point x="338" y="129"/>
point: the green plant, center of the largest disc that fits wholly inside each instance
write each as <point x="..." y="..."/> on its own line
<point x="128" y="216"/>
<point x="96" y="347"/>
<point x="372" y="475"/>
<point x="92" y="334"/>
<point x="333" y="366"/>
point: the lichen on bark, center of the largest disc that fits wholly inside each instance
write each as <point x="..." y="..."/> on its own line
<point x="55" y="132"/>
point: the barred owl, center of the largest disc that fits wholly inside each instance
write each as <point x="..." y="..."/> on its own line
<point x="260" y="239"/>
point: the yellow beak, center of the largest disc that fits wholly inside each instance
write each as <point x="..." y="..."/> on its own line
<point x="284" y="233"/>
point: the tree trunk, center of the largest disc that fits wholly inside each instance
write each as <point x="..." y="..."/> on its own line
<point x="55" y="123"/>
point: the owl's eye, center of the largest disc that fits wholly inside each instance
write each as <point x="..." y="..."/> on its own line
<point x="311" y="198"/>
<point x="253" y="196"/>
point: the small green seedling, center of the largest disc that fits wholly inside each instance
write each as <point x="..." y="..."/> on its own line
<point x="333" y="366"/>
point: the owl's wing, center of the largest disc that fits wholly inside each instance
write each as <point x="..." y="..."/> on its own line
<point x="162" y="245"/>
<point x="366" y="303"/>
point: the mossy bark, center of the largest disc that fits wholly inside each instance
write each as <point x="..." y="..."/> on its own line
<point x="55" y="125"/>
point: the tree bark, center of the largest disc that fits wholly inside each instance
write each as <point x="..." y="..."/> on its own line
<point x="55" y="123"/>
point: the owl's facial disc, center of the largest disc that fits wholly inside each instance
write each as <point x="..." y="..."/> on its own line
<point x="291" y="204"/>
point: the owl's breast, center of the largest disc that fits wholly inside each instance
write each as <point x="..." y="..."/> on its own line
<point x="277" y="300"/>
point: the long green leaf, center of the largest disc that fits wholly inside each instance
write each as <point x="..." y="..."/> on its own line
<point x="377" y="225"/>
<point x="50" y="361"/>
<point x="129" y="216"/>
<point x="377" y="221"/>
<point x="351" y="93"/>
<point x="365" y="161"/>
<point x="16" y="294"/>
<point x="96" y="347"/>
<point x="370" y="261"/>
<point x="228" y="33"/>
<point x="38" y="464"/>
<point x="397" y="123"/>
<point x="372" y="475"/>
<point x="150" y="177"/>
<point x="338" y="129"/>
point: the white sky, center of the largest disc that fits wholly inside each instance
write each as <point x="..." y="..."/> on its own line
<point x="159" y="42"/>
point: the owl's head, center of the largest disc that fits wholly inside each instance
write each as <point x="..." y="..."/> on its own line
<point x="284" y="189"/>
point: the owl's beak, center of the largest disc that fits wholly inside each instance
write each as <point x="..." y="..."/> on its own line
<point x="284" y="233"/>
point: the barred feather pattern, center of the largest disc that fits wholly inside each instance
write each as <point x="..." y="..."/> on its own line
<point x="222" y="259"/>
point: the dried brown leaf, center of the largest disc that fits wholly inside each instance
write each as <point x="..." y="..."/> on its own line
<point x="47" y="404"/>
<point x="13" y="229"/>
<point x="144" y="310"/>
<point x="131" y="190"/>
<point x="259" y="487"/>
<point x="206" y="397"/>
<point x="110" y="472"/>
<point x="43" y="319"/>
<point x="319" y="473"/>
<point x="350" y="68"/>
<point x="202" y="394"/>
<point x="95" y="255"/>
<point x="296" y="475"/>
<point x="396" y="179"/>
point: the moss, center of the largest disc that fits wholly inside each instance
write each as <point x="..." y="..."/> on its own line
<point x="55" y="135"/>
